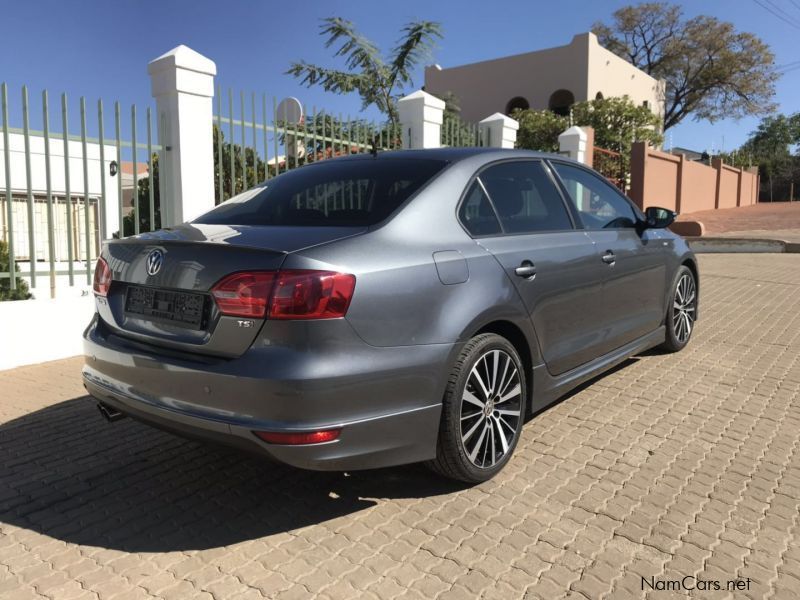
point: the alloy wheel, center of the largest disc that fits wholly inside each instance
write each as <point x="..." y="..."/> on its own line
<point x="684" y="308"/>
<point x="491" y="407"/>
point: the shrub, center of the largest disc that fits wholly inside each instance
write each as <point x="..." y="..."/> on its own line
<point x="6" y="293"/>
<point x="539" y="129"/>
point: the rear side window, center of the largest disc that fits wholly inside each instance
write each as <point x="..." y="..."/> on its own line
<point x="525" y="197"/>
<point x="338" y="193"/>
<point x="477" y="213"/>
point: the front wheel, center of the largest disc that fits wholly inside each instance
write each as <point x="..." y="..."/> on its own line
<point x="483" y="411"/>
<point x="682" y="311"/>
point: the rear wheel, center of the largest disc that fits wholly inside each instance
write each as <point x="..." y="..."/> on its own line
<point x="682" y="311"/>
<point x="483" y="411"/>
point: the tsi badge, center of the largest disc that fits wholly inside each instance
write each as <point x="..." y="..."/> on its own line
<point x="246" y="324"/>
<point x="154" y="261"/>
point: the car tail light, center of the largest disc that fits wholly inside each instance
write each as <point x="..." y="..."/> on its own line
<point x="311" y="295"/>
<point x="244" y="294"/>
<point x="293" y="294"/>
<point x="102" y="277"/>
<point x="298" y="439"/>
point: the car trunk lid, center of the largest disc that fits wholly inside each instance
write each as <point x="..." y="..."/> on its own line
<point x="161" y="288"/>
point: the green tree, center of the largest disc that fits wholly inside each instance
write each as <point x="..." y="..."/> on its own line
<point x="143" y="204"/>
<point x="711" y="71"/>
<point x="256" y="168"/>
<point x="539" y="129"/>
<point x="770" y="146"/>
<point x="376" y="79"/>
<point x="6" y="293"/>
<point x="256" y="172"/>
<point x="617" y="123"/>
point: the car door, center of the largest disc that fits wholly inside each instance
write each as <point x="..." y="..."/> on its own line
<point x="635" y="267"/>
<point x="515" y="210"/>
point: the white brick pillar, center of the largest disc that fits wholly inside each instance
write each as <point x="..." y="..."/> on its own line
<point x="421" y="116"/>
<point x="498" y="131"/>
<point x="574" y="142"/>
<point x="182" y="83"/>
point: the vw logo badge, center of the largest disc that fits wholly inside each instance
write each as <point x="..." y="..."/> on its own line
<point x="154" y="261"/>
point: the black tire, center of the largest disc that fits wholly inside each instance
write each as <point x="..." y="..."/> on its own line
<point x="456" y="454"/>
<point x="680" y="327"/>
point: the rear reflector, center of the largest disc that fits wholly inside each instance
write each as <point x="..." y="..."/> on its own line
<point x="291" y="294"/>
<point x="102" y="277"/>
<point x="298" y="439"/>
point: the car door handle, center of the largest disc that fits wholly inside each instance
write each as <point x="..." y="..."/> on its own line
<point x="526" y="270"/>
<point x="609" y="257"/>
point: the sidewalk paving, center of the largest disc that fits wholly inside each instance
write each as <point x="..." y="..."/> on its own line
<point x="671" y="465"/>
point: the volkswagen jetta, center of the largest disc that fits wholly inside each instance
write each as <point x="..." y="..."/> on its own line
<point x="377" y="310"/>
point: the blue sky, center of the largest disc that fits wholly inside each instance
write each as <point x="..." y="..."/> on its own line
<point x="101" y="49"/>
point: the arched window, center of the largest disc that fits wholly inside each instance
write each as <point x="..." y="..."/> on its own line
<point x="560" y="101"/>
<point x="598" y="96"/>
<point x="515" y="103"/>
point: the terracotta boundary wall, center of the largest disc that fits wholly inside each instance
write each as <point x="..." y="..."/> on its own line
<point x="661" y="179"/>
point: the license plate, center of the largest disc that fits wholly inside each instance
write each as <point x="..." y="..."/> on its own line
<point x="181" y="308"/>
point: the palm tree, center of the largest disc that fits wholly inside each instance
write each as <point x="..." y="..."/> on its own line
<point x="374" y="78"/>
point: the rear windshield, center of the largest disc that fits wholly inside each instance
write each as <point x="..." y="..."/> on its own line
<point x="334" y="193"/>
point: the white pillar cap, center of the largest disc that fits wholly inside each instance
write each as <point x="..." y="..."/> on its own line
<point x="574" y="131"/>
<point x="182" y="70"/>
<point x="428" y="99"/>
<point x="501" y="118"/>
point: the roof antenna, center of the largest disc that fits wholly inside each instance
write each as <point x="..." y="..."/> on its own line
<point x="374" y="150"/>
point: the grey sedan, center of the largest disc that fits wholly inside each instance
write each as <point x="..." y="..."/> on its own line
<point x="377" y="310"/>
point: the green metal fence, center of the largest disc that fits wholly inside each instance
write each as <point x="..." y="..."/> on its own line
<point x="57" y="186"/>
<point x="261" y="144"/>
<point x="59" y="200"/>
<point x="458" y="133"/>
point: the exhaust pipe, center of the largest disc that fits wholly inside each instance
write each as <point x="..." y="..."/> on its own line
<point x="110" y="413"/>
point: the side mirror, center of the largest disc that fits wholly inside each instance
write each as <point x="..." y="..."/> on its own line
<point x="658" y="218"/>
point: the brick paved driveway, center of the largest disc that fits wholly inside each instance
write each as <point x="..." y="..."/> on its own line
<point x="669" y="466"/>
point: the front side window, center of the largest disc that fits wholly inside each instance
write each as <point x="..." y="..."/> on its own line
<point x="525" y="197"/>
<point x="600" y="205"/>
<point x="341" y="193"/>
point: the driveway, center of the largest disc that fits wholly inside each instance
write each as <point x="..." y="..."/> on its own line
<point x="667" y="467"/>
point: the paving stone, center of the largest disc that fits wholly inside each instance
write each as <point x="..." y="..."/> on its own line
<point x="670" y="465"/>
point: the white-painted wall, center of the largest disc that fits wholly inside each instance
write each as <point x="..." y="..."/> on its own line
<point x="19" y="181"/>
<point x="36" y="331"/>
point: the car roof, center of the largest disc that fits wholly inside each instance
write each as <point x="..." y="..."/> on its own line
<point x="452" y="154"/>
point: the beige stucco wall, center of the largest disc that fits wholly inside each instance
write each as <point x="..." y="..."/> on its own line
<point x="582" y="67"/>
<point x="701" y="189"/>
<point x="661" y="179"/>
<point x="728" y="187"/>
<point x="661" y="184"/>
<point x="613" y="76"/>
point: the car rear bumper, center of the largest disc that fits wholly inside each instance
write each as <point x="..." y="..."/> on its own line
<point x="388" y="408"/>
